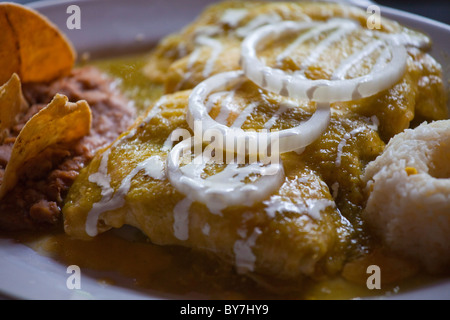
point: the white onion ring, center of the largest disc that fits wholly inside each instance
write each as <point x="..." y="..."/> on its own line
<point x="280" y="82"/>
<point x="288" y="140"/>
<point x="221" y="193"/>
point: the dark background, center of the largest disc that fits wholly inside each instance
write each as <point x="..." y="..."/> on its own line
<point x="435" y="9"/>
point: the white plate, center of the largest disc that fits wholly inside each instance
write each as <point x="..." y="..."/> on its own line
<point x="113" y="27"/>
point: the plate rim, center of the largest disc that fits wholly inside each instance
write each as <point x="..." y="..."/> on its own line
<point x="414" y="294"/>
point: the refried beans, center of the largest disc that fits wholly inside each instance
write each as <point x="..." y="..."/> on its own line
<point x="36" y="201"/>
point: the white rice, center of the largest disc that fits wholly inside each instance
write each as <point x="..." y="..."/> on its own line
<point x="410" y="213"/>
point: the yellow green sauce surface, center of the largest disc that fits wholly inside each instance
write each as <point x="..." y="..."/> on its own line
<point x="128" y="259"/>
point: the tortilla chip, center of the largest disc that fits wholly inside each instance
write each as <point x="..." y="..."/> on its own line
<point x="32" y="46"/>
<point x="12" y="103"/>
<point x="9" y="53"/>
<point x="58" y="123"/>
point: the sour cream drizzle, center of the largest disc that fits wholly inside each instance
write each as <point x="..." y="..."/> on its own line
<point x="343" y="143"/>
<point x="257" y="22"/>
<point x="296" y="85"/>
<point x="203" y="37"/>
<point x="288" y="140"/>
<point x="111" y="200"/>
<point x="232" y="17"/>
<point x="240" y="120"/>
<point x="311" y="34"/>
<point x="181" y="219"/>
<point x="345" y="28"/>
<point x="226" y="188"/>
<point x="243" y="250"/>
<point x="355" y="58"/>
<point x="216" y="47"/>
<point x="226" y="107"/>
<point x="271" y="122"/>
<point x="311" y="207"/>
